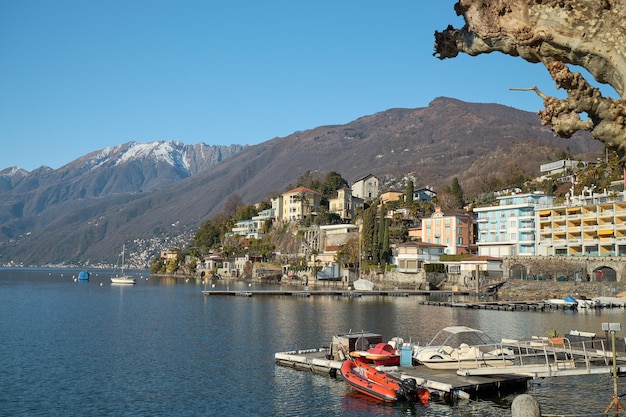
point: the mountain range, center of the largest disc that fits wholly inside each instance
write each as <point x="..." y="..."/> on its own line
<point x="154" y="196"/>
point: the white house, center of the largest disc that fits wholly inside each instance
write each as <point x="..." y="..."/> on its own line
<point x="366" y="188"/>
<point x="410" y="257"/>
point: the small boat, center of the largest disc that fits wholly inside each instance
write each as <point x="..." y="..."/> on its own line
<point x="83" y="276"/>
<point x="363" y="285"/>
<point x="368" y="380"/>
<point x="462" y="347"/>
<point x="121" y="278"/>
<point x="568" y="301"/>
<point x="610" y="301"/>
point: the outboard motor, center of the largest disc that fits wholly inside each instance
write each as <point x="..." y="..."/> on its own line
<point x="408" y="389"/>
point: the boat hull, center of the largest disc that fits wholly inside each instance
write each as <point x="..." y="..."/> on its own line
<point x="123" y="280"/>
<point x="441" y="364"/>
<point x="368" y="381"/>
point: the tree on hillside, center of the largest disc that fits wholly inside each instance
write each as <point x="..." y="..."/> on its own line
<point x="209" y="235"/>
<point x="332" y="182"/>
<point x="457" y="192"/>
<point x="233" y="203"/>
<point x="309" y="180"/>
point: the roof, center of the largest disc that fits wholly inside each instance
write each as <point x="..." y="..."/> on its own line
<point x="365" y="177"/>
<point x="422" y="244"/>
<point x="480" y="258"/>
<point x="302" y="190"/>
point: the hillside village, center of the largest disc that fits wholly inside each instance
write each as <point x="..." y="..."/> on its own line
<point x="330" y="232"/>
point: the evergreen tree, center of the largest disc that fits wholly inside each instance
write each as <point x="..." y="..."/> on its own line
<point x="367" y="230"/>
<point x="385" y="252"/>
<point x="408" y="199"/>
<point x="457" y="192"/>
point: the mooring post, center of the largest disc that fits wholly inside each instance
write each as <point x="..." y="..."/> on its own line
<point x="525" y="405"/>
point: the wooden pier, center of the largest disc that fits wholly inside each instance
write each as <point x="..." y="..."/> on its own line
<point x="338" y="292"/>
<point x="512" y="305"/>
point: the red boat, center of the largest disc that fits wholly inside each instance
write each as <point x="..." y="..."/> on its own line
<point x="380" y="385"/>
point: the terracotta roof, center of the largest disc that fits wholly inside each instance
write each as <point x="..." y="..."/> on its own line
<point x="301" y="190"/>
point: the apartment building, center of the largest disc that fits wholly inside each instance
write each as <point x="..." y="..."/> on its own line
<point x="586" y="225"/>
<point x="454" y="229"/>
<point x="296" y="204"/>
<point x="344" y="204"/>
<point x="508" y="228"/>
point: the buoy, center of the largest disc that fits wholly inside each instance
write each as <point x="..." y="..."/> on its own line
<point x="212" y="285"/>
<point x="101" y="284"/>
<point x="249" y="285"/>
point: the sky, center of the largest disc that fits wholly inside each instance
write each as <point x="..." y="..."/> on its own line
<point x="79" y="76"/>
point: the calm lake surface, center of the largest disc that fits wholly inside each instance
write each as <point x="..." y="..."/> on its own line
<point x="161" y="348"/>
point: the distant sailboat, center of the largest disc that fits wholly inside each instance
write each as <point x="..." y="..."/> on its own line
<point x="121" y="278"/>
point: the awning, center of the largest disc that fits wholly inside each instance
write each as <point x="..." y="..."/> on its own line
<point x="573" y="209"/>
<point x="605" y="232"/>
<point x="545" y="212"/>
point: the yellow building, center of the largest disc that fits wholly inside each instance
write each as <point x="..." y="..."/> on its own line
<point x="596" y="229"/>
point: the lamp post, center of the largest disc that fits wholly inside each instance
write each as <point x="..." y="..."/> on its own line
<point x="612" y="328"/>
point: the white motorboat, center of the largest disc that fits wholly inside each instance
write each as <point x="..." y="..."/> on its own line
<point x="462" y="347"/>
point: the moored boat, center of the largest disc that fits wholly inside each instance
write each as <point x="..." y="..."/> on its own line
<point x="121" y="278"/>
<point x="567" y="302"/>
<point x="363" y="285"/>
<point x="462" y="347"/>
<point x="368" y="380"/>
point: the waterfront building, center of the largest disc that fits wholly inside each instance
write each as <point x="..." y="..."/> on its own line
<point x="508" y="228"/>
<point x="453" y="228"/>
<point x="410" y="257"/>
<point x="592" y="224"/>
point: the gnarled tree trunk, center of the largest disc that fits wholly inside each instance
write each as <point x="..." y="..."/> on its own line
<point x="587" y="33"/>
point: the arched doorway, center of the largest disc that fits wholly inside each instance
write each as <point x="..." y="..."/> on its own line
<point x="604" y="274"/>
<point x="518" y="271"/>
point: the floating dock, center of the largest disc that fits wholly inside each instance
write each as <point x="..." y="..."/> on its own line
<point x="339" y="293"/>
<point x="447" y="384"/>
<point x="577" y="354"/>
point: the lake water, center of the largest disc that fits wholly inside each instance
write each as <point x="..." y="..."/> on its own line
<point x="161" y="348"/>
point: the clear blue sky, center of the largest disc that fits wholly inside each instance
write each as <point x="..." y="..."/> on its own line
<point x="78" y="76"/>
